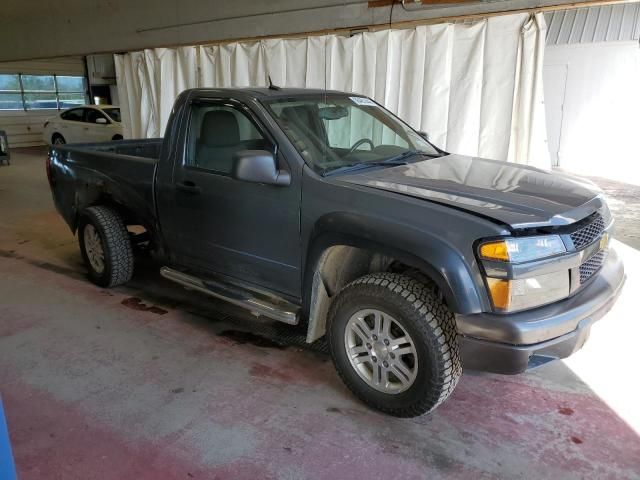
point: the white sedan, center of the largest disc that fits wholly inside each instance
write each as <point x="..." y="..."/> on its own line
<point x="86" y="124"/>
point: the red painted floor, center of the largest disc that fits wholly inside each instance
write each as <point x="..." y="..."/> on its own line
<point x="151" y="382"/>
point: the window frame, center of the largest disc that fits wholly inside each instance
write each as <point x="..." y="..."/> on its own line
<point x="56" y="92"/>
<point x="229" y="103"/>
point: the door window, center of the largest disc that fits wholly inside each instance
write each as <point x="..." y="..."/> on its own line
<point x="93" y="115"/>
<point x="75" y="115"/>
<point x="216" y="133"/>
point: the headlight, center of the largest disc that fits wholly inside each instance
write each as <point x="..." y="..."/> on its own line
<point x="524" y="249"/>
<point x="513" y="294"/>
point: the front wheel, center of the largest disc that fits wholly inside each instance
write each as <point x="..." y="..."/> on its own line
<point x="105" y="246"/>
<point x="394" y="344"/>
<point x="58" y="139"/>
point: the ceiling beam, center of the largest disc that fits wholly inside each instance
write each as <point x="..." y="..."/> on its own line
<point x="427" y="21"/>
<point x="303" y="19"/>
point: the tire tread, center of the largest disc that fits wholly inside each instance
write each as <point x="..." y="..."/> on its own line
<point x="116" y="243"/>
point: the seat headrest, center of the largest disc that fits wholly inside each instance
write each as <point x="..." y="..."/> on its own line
<point x="219" y="129"/>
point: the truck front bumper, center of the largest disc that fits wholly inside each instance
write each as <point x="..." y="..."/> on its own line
<point x="513" y="343"/>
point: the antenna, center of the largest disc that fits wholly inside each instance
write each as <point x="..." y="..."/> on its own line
<point x="271" y="85"/>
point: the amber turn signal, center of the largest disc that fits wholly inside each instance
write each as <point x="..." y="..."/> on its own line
<point x="495" y="251"/>
<point x="500" y="292"/>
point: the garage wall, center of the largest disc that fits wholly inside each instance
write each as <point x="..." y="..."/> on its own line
<point x="24" y="129"/>
<point x="592" y="99"/>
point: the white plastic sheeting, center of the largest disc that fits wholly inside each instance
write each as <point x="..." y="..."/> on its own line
<point x="476" y="89"/>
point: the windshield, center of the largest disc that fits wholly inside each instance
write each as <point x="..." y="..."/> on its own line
<point x="113" y="113"/>
<point x="335" y="131"/>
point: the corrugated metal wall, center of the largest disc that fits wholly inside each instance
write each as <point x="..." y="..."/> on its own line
<point x="595" y="24"/>
<point x="24" y="129"/>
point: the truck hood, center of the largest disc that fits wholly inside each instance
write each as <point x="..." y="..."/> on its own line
<point x="512" y="194"/>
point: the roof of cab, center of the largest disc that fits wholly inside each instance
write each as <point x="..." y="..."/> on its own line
<point x="266" y="92"/>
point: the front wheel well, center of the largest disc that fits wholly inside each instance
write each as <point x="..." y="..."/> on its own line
<point x="339" y="265"/>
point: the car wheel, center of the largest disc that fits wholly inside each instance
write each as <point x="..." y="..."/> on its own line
<point x="58" y="139"/>
<point x="394" y="344"/>
<point x="117" y="137"/>
<point x="105" y="246"/>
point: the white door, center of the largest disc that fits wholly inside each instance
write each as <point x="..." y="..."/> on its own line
<point x="555" y="82"/>
<point x="96" y="127"/>
<point x="71" y="124"/>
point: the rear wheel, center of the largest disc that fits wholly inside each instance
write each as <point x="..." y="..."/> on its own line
<point x="117" y="137"/>
<point x="58" y="139"/>
<point x="105" y="246"/>
<point x="394" y="344"/>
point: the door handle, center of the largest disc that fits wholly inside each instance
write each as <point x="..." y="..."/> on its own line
<point x="188" y="186"/>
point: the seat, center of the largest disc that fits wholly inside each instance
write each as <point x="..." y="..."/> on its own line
<point x="219" y="139"/>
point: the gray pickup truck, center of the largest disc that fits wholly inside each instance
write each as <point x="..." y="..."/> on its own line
<point x="323" y="210"/>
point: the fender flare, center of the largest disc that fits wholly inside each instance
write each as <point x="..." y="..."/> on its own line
<point x="434" y="257"/>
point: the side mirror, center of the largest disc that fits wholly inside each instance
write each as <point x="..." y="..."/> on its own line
<point x="101" y="121"/>
<point x="424" y="135"/>
<point x="258" y="166"/>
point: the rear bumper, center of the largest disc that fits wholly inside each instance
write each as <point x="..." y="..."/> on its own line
<point x="511" y="344"/>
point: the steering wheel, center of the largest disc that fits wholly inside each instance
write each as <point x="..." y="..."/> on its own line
<point x="360" y="142"/>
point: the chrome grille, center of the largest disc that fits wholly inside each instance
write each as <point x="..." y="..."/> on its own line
<point x="591" y="266"/>
<point x="587" y="234"/>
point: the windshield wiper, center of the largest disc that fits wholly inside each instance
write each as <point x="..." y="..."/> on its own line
<point x="391" y="161"/>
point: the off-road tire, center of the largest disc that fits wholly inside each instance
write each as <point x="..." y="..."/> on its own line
<point x="428" y="321"/>
<point x="118" y="254"/>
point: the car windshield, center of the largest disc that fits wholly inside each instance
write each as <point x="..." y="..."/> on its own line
<point x="113" y="113"/>
<point x="335" y="132"/>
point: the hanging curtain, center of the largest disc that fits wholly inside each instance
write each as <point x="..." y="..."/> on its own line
<point x="475" y="88"/>
<point x="528" y="144"/>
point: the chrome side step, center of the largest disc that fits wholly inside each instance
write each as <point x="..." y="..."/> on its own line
<point x="259" y="304"/>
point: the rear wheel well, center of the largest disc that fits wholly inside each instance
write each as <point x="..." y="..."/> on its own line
<point x="340" y="265"/>
<point x="140" y="233"/>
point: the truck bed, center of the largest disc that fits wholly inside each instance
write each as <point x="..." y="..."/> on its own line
<point x="123" y="171"/>
<point x="149" y="149"/>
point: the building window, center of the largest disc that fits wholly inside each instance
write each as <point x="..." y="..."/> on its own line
<point x="41" y="92"/>
<point x="71" y="91"/>
<point x="10" y="92"/>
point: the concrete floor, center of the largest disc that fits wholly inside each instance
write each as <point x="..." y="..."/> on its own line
<point x="148" y="381"/>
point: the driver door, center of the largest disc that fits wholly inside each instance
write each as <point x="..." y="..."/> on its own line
<point x="246" y="231"/>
